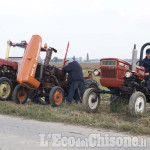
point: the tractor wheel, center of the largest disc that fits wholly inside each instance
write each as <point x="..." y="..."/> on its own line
<point x="91" y="100"/>
<point x="20" y="94"/>
<point x="56" y="96"/>
<point x="6" y="88"/>
<point x="90" y="83"/>
<point x="137" y="104"/>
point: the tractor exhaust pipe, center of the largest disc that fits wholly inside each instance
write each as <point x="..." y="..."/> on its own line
<point x="134" y="59"/>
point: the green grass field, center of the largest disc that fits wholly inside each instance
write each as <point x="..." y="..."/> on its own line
<point x="75" y="114"/>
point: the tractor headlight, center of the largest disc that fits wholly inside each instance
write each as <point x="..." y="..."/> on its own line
<point x="128" y="74"/>
<point x="96" y="72"/>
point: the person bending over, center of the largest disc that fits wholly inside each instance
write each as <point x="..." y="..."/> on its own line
<point x="76" y="81"/>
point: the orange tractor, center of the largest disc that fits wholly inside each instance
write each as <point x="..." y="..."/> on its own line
<point x="41" y="80"/>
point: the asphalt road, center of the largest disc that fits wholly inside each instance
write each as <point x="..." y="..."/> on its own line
<point x="22" y="134"/>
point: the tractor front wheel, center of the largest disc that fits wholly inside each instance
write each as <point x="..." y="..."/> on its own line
<point x="20" y="94"/>
<point x="56" y="96"/>
<point x="6" y="88"/>
<point x="137" y="104"/>
<point x="91" y="100"/>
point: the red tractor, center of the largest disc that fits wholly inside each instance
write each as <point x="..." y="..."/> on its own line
<point x="9" y="67"/>
<point x="124" y="80"/>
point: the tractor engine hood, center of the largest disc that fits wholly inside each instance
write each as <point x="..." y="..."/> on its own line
<point x="123" y="65"/>
<point x="8" y="63"/>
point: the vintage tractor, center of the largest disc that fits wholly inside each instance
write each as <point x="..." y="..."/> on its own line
<point x="8" y="69"/>
<point x="124" y="81"/>
<point x="40" y="80"/>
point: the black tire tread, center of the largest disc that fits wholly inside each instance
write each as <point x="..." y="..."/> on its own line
<point x="15" y="99"/>
<point x="89" y="82"/>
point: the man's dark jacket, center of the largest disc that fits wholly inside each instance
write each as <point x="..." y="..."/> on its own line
<point x="74" y="72"/>
<point x="146" y="64"/>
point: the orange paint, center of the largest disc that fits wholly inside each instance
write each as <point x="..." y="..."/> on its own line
<point x="27" y="69"/>
<point x="58" y="97"/>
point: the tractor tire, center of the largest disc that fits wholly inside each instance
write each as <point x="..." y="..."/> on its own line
<point x="137" y="104"/>
<point x="91" y="100"/>
<point x="56" y="96"/>
<point x="90" y="83"/>
<point x="6" y="89"/>
<point x="20" y="94"/>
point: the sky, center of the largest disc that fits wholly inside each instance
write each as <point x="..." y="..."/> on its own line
<point x="102" y="28"/>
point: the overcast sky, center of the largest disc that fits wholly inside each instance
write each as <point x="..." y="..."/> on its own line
<point x="102" y="28"/>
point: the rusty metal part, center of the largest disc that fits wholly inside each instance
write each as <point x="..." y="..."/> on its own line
<point x="47" y="85"/>
<point x="48" y="57"/>
<point x="41" y="71"/>
<point x="9" y="72"/>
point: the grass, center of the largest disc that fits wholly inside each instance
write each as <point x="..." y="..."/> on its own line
<point x="84" y="65"/>
<point x="75" y="114"/>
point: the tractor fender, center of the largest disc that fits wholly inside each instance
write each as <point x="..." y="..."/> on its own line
<point x="4" y="62"/>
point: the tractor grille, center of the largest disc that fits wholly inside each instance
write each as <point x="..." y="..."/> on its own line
<point x="109" y="73"/>
<point x="109" y="63"/>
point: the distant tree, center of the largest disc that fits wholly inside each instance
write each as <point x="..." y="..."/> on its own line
<point x="74" y="58"/>
<point x="87" y="57"/>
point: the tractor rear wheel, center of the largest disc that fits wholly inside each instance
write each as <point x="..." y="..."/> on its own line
<point x="56" y="96"/>
<point x="91" y="100"/>
<point x="137" y="104"/>
<point x="90" y="83"/>
<point x="6" y="88"/>
<point x="20" y="94"/>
